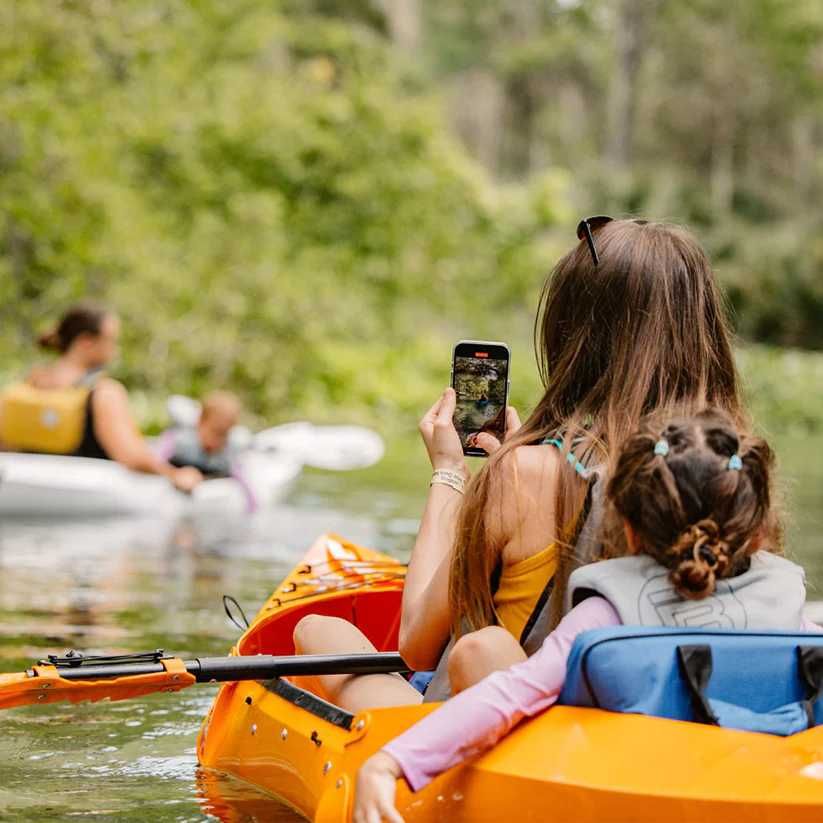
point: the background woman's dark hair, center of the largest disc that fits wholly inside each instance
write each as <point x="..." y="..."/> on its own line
<point x="689" y="510"/>
<point x="82" y="318"/>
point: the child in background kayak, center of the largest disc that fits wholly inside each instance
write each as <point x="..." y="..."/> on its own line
<point x="692" y="497"/>
<point x="205" y="447"/>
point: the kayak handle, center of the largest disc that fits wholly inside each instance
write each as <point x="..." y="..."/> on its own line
<point x="696" y="666"/>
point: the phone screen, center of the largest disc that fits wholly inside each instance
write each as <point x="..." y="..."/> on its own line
<point x="480" y="377"/>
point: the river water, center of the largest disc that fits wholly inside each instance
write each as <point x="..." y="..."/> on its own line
<point x="125" y="585"/>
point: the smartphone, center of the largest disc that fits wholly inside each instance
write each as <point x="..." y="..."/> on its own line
<point x="480" y="378"/>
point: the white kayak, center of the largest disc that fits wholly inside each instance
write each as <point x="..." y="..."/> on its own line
<point x="44" y="485"/>
<point x="55" y="486"/>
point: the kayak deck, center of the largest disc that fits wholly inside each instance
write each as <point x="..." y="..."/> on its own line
<point x="568" y="763"/>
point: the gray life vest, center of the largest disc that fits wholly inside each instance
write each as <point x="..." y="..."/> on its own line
<point x="769" y="595"/>
<point x="586" y="549"/>
<point x="189" y="452"/>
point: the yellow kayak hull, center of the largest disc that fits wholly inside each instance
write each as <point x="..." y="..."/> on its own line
<point x="566" y="764"/>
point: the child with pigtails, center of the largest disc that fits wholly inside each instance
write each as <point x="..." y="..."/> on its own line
<point x="693" y="500"/>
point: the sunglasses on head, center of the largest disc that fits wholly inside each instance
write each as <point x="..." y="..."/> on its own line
<point x="589" y="225"/>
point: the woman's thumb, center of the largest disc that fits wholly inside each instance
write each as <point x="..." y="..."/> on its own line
<point x="446" y="410"/>
<point x="488" y="442"/>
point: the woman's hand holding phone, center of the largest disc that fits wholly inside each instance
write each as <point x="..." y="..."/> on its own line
<point x="440" y="436"/>
<point x="488" y="442"/>
<point x="443" y="442"/>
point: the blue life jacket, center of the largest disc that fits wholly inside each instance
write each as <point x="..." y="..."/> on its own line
<point x="763" y="681"/>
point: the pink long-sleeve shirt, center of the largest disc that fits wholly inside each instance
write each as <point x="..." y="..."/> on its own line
<point x="477" y="718"/>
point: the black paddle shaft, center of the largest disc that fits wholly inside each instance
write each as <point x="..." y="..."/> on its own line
<point x="249" y="667"/>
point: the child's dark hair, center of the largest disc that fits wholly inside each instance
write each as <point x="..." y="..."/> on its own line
<point x="697" y="497"/>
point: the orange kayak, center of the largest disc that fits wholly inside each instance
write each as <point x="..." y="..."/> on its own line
<point x="567" y="764"/>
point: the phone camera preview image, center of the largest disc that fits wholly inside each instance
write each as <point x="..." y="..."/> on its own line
<point x="480" y="383"/>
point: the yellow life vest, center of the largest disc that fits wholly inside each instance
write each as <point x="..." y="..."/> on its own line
<point x="43" y="420"/>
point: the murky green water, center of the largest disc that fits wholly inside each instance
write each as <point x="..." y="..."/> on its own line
<point x="132" y="586"/>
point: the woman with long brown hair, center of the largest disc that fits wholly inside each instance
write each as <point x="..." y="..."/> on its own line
<point x="630" y="322"/>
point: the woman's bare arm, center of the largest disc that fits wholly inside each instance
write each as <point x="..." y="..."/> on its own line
<point x="426" y="620"/>
<point x="520" y="519"/>
<point x="117" y="432"/>
<point x="424" y="623"/>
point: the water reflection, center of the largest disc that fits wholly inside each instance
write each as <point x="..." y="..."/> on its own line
<point x="132" y="585"/>
<point x="128" y="585"/>
<point x="231" y="801"/>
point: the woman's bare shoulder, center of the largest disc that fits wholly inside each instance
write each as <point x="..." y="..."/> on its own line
<point x="42" y="377"/>
<point x="531" y="466"/>
<point x="522" y="517"/>
<point x="109" y="392"/>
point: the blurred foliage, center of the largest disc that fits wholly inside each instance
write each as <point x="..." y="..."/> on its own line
<point x="783" y="388"/>
<point x="263" y="197"/>
<point x="707" y="112"/>
<point x="272" y="194"/>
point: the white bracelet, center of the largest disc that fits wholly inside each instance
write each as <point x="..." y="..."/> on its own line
<point x="444" y="477"/>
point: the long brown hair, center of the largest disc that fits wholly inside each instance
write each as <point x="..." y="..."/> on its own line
<point x="697" y="496"/>
<point x="82" y="318"/>
<point x="643" y="330"/>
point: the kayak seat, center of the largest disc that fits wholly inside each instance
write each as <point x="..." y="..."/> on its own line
<point x="761" y="681"/>
<point x="375" y="612"/>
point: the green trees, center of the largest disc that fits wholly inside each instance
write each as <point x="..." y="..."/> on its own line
<point x="706" y="112"/>
<point x="271" y="195"/>
<point x="267" y="199"/>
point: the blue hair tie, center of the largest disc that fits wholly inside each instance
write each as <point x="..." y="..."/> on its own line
<point x="735" y="463"/>
<point x="661" y="447"/>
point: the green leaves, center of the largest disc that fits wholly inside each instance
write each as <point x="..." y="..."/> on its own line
<point x="267" y="199"/>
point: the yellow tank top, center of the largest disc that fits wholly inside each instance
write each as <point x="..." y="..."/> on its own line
<point x="521" y="585"/>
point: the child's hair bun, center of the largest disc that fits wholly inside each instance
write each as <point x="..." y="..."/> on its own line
<point x="700" y="557"/>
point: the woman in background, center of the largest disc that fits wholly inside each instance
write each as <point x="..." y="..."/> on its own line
<point x="71" y="407"/>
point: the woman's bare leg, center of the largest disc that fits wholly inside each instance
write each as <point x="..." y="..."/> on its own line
<point x="478" y="654"/>
<point x="319" y="634"/>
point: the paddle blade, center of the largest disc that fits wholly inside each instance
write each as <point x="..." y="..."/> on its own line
<point x="45" y="685"/>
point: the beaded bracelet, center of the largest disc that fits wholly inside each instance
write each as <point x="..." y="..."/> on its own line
<point x="444" y="477"/>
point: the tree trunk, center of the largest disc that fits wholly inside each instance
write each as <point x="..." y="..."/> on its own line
<point x="477" y="105"/>
<point x="721" y="174"/>
<point x="524" y="23"/>
<point x="630" y="30"/>
<point x="403" y="19"/>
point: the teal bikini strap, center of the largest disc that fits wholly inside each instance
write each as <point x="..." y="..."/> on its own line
<point x="571" y="459"/>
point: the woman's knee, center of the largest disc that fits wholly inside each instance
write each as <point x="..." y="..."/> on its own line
<point x="322" y="634"/>
<point x="478" y="654"/>
<point x="315" y="632"/>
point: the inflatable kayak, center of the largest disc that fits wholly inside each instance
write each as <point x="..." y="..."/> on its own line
<point x="46" y="485"/>
<point x="569" y="763"/>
